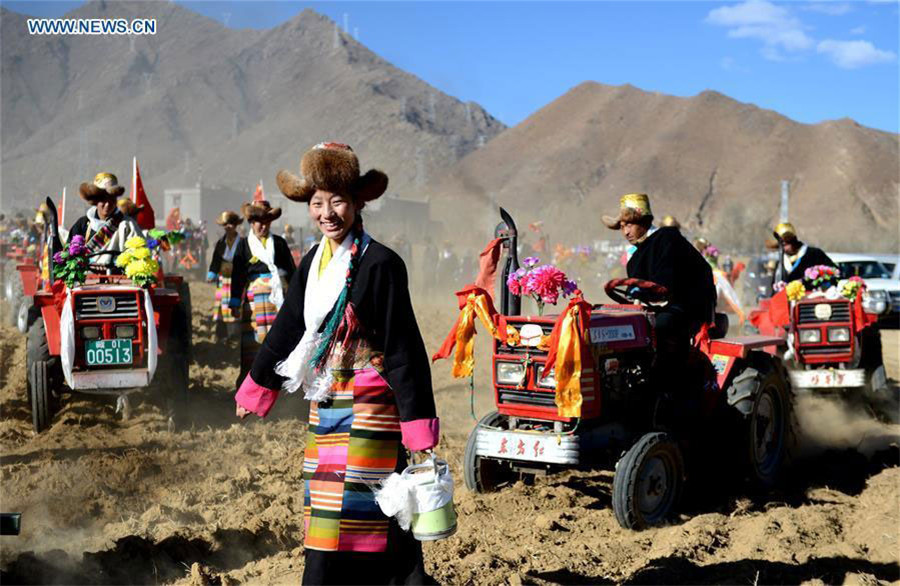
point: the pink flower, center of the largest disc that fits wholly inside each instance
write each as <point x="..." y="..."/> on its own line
<point x="531" y="261"/>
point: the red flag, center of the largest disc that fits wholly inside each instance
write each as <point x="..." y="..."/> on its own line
<point x="258" y="194"/>
<point x="61" y="215"/>
<point x="146" y="219"/>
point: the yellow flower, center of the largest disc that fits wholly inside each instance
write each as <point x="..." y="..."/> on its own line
<point x="137" y="268"/>
<point x="124" y="258"/>
<point x="141" y="253"/>
<point x="135" y="242"/>
<point x="152" y="266"/>
<point x="795" y="290"/>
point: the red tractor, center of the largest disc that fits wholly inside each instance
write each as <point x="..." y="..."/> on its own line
<point x="832" y="346"/>
<point x="105" y="337"/>
<point x="739" y="400"/>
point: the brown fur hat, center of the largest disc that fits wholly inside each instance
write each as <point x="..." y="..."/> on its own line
<point x="332" y="167"/>
<point x="229" y="217"/>
<point x="105" y="186"/>
<point x="260" y="211"/>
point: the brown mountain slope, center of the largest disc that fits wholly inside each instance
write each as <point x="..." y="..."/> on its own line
<point x="199" y="98"/>
<point x="713" y="162"/>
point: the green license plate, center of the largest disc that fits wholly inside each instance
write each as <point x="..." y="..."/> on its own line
<point x="105" y="352"/>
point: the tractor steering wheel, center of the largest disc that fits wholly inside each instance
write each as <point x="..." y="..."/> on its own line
<point x="633" y="291"/>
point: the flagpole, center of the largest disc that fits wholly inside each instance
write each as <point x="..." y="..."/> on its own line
<point x="134" y="179"/>
<point x="62" y="215"/>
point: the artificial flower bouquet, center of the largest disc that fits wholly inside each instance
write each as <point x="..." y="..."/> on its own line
<point x="544" y="283"/>
<point x="850" y="288"/>
<point x="70" y="265"/>
<point x="820" y="278"/>
<point x="136" y="259"/>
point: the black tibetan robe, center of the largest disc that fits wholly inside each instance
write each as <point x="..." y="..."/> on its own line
<point x="380" y="296"/>
<point x="812" y="257"/>
<point x="244" y="271"/>
<point x="668" y="259"/>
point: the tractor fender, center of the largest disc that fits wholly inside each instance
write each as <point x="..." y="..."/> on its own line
<point x="51" y="322"/>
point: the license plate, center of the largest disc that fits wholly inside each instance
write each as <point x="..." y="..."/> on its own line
<point x="828" y="379"/>
<point x="612" y="334"/>
<point x="106" y="352"/>
<point x="514" y="446"/>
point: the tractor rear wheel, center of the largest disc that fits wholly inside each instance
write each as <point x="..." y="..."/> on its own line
<point x="648" y="481"/>
<point x="41" y="376"/>
<point x="485" y="474"/>
<point x="22" y="314"/>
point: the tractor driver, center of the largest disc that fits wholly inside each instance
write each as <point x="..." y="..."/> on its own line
<point x="797" y="256"/>
<point x="104" y="226"/>
<point x="664" y="256"/>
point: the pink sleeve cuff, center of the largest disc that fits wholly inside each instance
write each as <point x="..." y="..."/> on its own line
<point x="255" y="398"/>
<point x="420" y="434"/>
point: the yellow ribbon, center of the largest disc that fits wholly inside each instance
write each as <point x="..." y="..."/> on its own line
<point x="568" y="367"/>
<point x="464" y="355"/>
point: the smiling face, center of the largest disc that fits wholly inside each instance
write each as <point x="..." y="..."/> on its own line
<point x="333" y="213"/>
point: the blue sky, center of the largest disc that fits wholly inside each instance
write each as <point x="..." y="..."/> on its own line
<point x="811" y="61"/>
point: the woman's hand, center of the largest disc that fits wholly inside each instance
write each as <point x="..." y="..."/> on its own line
<point x="241" y="412"/>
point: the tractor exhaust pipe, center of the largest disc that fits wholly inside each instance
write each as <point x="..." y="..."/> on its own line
<point x="509" y="304"/>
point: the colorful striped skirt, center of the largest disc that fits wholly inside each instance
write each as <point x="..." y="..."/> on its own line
<point x="257" y="316"/>
<point x="353" y="443"/>
<point x="221" y="309"/>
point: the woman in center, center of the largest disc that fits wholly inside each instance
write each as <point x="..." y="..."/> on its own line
<point x="346" y="335"/>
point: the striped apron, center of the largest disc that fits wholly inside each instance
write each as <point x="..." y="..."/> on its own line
<point x="257" y="315"/>
<point x="221" y="309"/>
<point x="353" y="443"/>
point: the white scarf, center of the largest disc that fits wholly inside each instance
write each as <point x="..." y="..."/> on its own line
<point x="266" y="255"/>
<point x="96" y="223"/>
<point x="318" y="299"/>
<point x="790" y="264"/>
<point x="229" y="250"/>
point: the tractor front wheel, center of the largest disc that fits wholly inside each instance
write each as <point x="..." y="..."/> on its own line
<point x="41" y="376"/>
<point x="648" y="481"/>
<point x="485" y="474"/>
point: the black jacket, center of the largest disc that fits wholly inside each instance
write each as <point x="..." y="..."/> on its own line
<point x="243" y="271"/>
<point x="813" y="257"/>
<point x="218" y="252"/>
<point x="668" y="259"/>
<point x="380" y="296"/>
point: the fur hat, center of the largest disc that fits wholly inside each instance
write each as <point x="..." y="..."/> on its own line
<point x="105" y="186"/>
<point x="633" y="207"/>
<point x="128" y="207"/>
<point x="229" y="217"/>
<point x="332" y="167"/>
<point x="260" y="211"/>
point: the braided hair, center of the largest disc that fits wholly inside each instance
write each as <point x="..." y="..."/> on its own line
<point x="343" y="324"/>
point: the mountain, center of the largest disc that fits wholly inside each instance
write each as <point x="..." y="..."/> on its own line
<point x="714" y="163"/>
<point x="198" y="99"/>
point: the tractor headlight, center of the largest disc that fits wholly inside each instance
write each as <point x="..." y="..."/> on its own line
<point x="510" y="373"/>
<point x="813" y="336"/>
<point x="875" y="301"/>
<point x="549" y="381"/>
<point x="125" y="331"/>
<point x="838" y="334"/>
<point x="90" y="332"/>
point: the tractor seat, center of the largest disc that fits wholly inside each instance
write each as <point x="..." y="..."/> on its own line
<point x="720" y="329"/>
